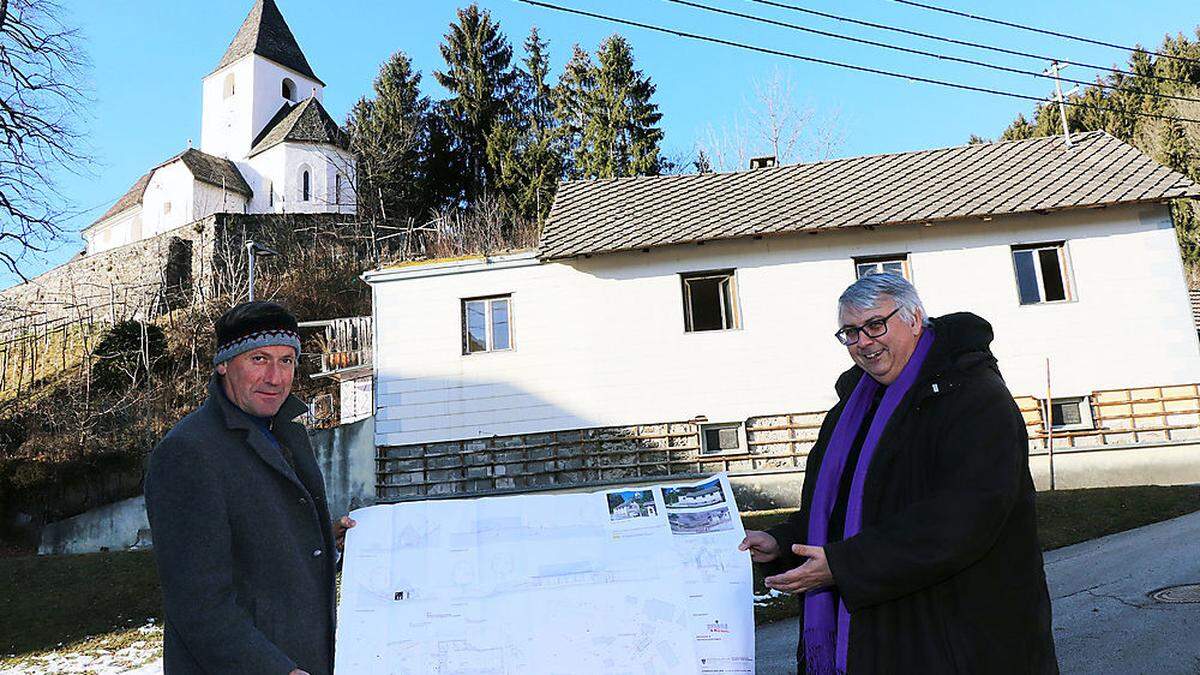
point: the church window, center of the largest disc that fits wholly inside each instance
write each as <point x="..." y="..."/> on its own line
<point x="289" y="89"/>
<point x="305" y="186"/>
<point x="337" y="189"/>
<point x="270" y="194"/>
<point x="229" y="86"/>
<point x="166" y="208"/>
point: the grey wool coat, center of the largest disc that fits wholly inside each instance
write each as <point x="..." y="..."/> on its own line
<point x="243" y="544"/>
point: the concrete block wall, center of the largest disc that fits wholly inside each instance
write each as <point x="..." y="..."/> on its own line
<point x="586" y="456"/>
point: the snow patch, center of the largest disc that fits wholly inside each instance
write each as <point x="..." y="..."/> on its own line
<point x="141" y="657"/>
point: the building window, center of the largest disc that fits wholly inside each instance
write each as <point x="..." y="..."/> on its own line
<point x="1071" y="413"/>
<point x="166" y="208"/>
<point x="270" y="193"/>
<point x="289" y="89"/>
<point x="891" y="264"/>
<point x="487" y="324"/>
<point x="710" y="301"/>
<point x="1041" y="273"/>
<point x="716" y="439"/>
<point x="337" y="188"/>
<point x="305" y="186"/>
<point x="230" y="90"/>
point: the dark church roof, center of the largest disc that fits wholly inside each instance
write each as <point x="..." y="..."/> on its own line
<point x="206" y="168"/>
<point x="216" y="171"/>
<point x="303" y="122"/>
<point x="264" y="32"/>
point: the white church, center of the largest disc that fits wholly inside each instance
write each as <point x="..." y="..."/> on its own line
<point x="267" y="145"/>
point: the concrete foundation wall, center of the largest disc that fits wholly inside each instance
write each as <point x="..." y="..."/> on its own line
<point x="118" y="526"/>
<point x="346" y="455"/>
<point x="1144" y="464"/>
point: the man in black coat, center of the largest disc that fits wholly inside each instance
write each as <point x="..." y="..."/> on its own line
<point x="915" y="548"/>
<point x="237" y="509"/>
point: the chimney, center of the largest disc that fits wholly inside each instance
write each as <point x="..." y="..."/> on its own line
<point x="762" y="162"/>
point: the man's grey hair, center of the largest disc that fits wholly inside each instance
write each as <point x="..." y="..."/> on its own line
<point x="869" y="290"/>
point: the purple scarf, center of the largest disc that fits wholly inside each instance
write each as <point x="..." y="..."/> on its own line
<point x="826" y="620"/>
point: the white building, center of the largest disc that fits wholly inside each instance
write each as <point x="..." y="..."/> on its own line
<point x="267" y="145"/>
<point x="712" y="297"/>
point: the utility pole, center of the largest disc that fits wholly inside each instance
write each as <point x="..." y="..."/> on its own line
<point x="1054" y="70"/>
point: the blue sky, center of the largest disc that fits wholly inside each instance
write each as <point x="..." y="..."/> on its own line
<point x="148" y="57"/>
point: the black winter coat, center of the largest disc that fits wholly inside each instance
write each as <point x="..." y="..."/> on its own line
<point x="243" y="543"/>
<point x="946" y="574"/>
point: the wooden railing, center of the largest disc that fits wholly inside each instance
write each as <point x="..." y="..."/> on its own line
<point x="344" y="343"/>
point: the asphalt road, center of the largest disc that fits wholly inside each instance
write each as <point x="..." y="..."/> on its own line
<point x="1104" y="618"/>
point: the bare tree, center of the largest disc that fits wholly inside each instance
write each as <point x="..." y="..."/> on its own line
<point x="772" y="123"/>
<point x="41" y="103"/>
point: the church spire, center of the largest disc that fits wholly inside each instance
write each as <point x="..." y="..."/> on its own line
<point x="264" y="32"/>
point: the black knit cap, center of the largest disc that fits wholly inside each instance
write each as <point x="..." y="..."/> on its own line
<point x="255" y="324"/>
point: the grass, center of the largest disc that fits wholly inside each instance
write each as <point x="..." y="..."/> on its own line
<point x="1065" y="517"/>
<point x="88" y="602"/>
<point x="48" y="601"/>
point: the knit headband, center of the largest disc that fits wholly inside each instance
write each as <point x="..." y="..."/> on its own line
<point x="264" y="338"/>
<point x="253" y="325"/>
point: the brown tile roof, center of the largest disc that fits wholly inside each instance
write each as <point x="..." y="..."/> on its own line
<point x="264" y="32"/>
<point x="129" y="199"/>
<point x="204" y="167"/>
<point x="303" y="122"/>
<point x="213" y="170"/>
<point x="598" y="216"/>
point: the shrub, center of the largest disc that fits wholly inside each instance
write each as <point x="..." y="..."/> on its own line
<point x="124" y="353"/>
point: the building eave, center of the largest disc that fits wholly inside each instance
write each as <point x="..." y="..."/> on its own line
<point x="439" y="268"/>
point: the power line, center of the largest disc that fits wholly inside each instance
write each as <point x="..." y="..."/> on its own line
<point x="1043" y="31"/>
<point x="918" y="52"/>
<point x="967" y="43"/>
<point x="838" y="64"/>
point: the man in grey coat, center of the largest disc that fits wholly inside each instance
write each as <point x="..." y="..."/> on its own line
<point x="242" y="536"/>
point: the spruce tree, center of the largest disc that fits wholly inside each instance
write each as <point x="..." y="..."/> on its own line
<point x="389" y="136"/>
<point x="1170" y="141"/>
<point x="572" y="97"/>
<point x="621" y="136"/>
<point x="481" y="81"/>
<point x="526" y="153"/>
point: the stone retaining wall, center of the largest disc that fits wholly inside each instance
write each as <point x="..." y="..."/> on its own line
<point x="149" y="277"/>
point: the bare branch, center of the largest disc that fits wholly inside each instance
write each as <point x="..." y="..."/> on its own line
<point x="42" y="102"/>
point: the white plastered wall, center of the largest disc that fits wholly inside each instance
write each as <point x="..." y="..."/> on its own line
<point x="229" y="125"/>
<point x="600" y="341"/>
<point x="122" y="228"/>
<point x="225" y="125"/>
<point x="324" y="163"/>
<point x="264" y="173"/>
<point x="172" y="184"/>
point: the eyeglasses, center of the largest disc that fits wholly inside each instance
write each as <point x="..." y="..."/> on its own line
<point x="875" y="328"/>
